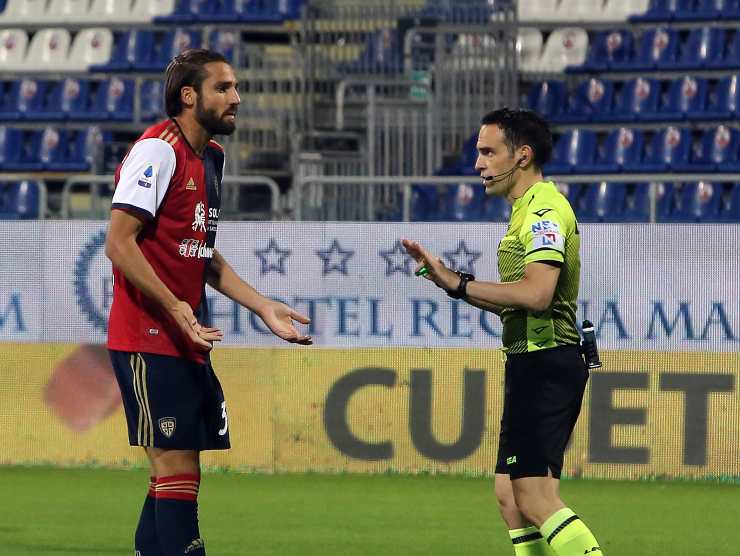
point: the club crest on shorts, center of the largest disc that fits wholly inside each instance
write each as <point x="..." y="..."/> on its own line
<point x="167" y="426"/>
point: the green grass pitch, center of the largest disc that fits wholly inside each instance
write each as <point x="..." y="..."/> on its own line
<point x="68" y="512"/>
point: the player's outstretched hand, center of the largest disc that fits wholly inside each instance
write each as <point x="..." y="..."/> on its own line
<point x="279" y="318"/>
<point x="184" y="317"/>
<point x="436" y="271"/>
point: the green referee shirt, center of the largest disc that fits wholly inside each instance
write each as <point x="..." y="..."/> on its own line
<point x="542" y="228"/>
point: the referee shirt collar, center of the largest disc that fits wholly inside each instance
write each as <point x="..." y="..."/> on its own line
<point x="531" y="192"/>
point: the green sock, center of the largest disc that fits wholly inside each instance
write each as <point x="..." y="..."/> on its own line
<point x="529" y="542"/>
<point x="569" y="536"/>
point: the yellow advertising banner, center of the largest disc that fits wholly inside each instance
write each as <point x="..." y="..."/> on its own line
<point x="374" y="410"/>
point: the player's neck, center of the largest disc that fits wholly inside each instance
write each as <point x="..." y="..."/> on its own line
<point x="526" y="180"/>
<point x="195" y="135"/>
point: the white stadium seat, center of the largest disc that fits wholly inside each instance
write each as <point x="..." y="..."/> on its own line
<point x="18" y="12"/>
<point x="528" y="48"/>
<point x="580" y="10"/>
<point x="537" y="10"/>
<point x="60" y="12"/>
<point x="48" y="50"/>
<point x="564" y="47"/>
<point x="147" y="10"/>
<point x="108" y="11"/>
<point x="620" y="10"/>
<point x="90" y="47"/>
<point x="13" y="47"/>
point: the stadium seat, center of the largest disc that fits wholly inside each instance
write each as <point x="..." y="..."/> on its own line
<point x="723" y="101"/>
<point x="620" y="10"/>
<point x="657" y="47"/>
<point x="542" y="10"/>
<point x="566" y="47"/>
<point x="658" y="10"/>
<point x="548" y="99"/>
<point x="154" y="50"/>
<point x="635" y="98"/>
<point x="573" y="150"/>
<point x="111" y="99"/>
<point x="22" y="151"/>
<point x="224" y="42"/>
<point x="609" y="49"/>
<point x="637" y="201"/>
<point x="697" y="202"/>
<point x="601" y="202"/>
<point x="382" y="54"/>
<point x="106" y="11"/>
<point x="70" y="150"/>
<point x="48" y="50"/>
<point x="22" y="99"/>
<point x="620" y="152"/>
<point x="528" y="48"/>
<point x="13" y="48"/>
<point x="23" y="12"/>
<point x="685" y="97"/>
<point x="668" y="147"/>
<point x="730" y="57"/>
<point x="20" y="200"/>
<point x="717" y="146"/>
<point x="91" y="47"/>
<point x="146" y="11"/>
<point x="730" y="161"/>
<point x="64" y="99"/>
<point x="591" y="100"/>
<point x="152" y="100"/>
<point x="464" y="202"/>
<point x="61" y="12"/>
<point x="704" y="10"/>
<point x="183" y="11"/>
<point x="731" y="209"/>
<point x="702" y="48"/>
<point x="579" y="10"/>
<point x="496" y="209"/>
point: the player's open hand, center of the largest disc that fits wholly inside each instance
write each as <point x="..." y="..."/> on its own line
<point x="279" y="318"/>
<point x="436" y="271"/>
<point x="183" y="315"/>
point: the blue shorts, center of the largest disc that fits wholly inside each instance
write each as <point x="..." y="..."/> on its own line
<point x="170" y="402"/>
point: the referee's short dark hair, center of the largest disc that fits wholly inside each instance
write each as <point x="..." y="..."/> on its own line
<point x="186" y="70"/>
<point x="523" y="127"/>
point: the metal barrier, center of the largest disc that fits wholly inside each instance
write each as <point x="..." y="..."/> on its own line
<point x="97" y="191"/>
<point x="351" y="198"/>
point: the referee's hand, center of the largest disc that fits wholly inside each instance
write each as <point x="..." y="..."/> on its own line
<point x="437" y="272"/>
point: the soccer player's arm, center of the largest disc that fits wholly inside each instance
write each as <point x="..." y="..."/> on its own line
<point x="142" y="184"/>
<point x="543" y="238"/>
<point x="223" y="278"/>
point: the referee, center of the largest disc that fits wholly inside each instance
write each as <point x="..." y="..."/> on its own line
<point x="539" y="265"/>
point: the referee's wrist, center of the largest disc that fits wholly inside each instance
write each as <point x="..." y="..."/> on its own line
<point x="460" y="292"/>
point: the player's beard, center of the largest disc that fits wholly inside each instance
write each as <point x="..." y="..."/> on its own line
<point x="212" y="122"/>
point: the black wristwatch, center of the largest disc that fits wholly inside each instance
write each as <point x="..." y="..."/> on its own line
<point x="461" y="291"/>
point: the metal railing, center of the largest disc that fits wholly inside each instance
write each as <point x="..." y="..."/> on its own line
<point x="96" y="193"/>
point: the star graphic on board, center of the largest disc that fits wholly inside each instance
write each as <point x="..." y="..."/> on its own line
<point x="462" y="259"/>
<point x="396" y="260"/>
<point x="272" y="258"/>
<point x="335" y="258"/>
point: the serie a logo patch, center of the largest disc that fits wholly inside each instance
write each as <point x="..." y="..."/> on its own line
<point x="167" y="426"/>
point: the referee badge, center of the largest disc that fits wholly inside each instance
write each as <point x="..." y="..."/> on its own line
<point x="167" y="426"/>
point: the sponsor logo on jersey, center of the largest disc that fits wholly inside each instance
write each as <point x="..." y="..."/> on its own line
<point x="199" y="222"/>
<point x="146" y="178"/>
<point x="167" y="426"/>
<point x="546" y="233"/>
<point x="191" y="185"/>
<point x="195" y="248"/>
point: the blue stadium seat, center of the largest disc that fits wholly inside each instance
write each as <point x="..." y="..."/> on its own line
<point x="730" y="57"/>
<point x="224" y="42"/>
<point x="601" y="202"/>
<point x="548" y="99"/>
<point x="112" y="99"/>
<point x="705" y="10"/>
<point x="258" y="11"/>
<point x="573" y="150"/>
<point x="731" y="160"/>
<point x="22" y="99"/>
<point x="185" y="11"/>
<point x="152" y="100"/>
<point x="697" y="202"/>
<point x="668" y="147"/>
<point x="609" y="49"/>
<point x="716" y="147"/>
<point x="638" y="98"/>
<point x="702" y="48"/>
<point x="731" y="210"/>
<point x="464" y="202"/>
<point x="658" y="10"/>
<point x="637" y="202"/>
<point x="63" y="98"/>
<point x="123" y="56"/>
<point x="20" y="200"/>
<point x="22" y="150"/>
<point x="592" y="100"/>
<point x="382" y="54"/>
<point x="69" y="150"/>
<point x="496" y="209"/>
<point x="620" y="152"/>
<point x="685" y="98"/>
<point x="657" y="48"/>
<point x="154" y="50"/>
<point x="723" y="101"/>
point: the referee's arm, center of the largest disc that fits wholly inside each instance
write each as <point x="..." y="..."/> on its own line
<point x="533" y="292"/>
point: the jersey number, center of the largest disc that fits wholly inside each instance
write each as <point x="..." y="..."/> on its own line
<point x="224" y="430"/>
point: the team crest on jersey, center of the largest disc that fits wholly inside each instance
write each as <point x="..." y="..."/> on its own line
<point x="546" y="234"/>
<point x="191" y="185"/>
<point x="199" y="223"/>
<point x="167" y="426"/>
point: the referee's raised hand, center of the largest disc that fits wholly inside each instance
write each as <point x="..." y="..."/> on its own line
<point x="436" y="271"/>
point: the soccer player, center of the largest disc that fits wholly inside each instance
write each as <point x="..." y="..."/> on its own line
<point x="161" y="242"/>
<point x="539" y="265"/>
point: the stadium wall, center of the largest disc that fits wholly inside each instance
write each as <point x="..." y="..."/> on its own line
<point x="401" y="378"/>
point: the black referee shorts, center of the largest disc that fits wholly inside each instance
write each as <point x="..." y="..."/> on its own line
<point x="542" y="401"/>
<point x="170" y="402"/>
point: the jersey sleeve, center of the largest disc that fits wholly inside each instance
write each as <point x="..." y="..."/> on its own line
<point x="144" y="177"/>
<point x="543" y="236"/>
